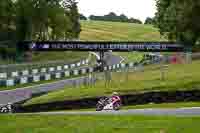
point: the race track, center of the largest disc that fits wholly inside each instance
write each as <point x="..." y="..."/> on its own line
<point x="177" y="112"/>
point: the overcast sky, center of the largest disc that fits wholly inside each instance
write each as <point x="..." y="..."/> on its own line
<point x="139" y="9"/>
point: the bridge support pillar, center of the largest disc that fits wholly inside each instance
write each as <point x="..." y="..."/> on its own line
<point x="102" y="62"/>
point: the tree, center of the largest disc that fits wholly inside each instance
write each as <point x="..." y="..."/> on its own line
<point x="111" y="17"/>
<point x="179" y="20"/>
<point x="136" y="21"/>
<point x="71" y="10"/>
<point x="149" y="21"/>
<point x="123" y="18"/>
<point x="7" y="18"/>
<point x="82" y="17"/>
<point x="37" y="20"/>
<point x="115" y="18"/>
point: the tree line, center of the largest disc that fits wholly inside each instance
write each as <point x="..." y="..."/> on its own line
<point x="37" y="20"/>
<point x="179" y="20"/>
<point x="113" y="17"/>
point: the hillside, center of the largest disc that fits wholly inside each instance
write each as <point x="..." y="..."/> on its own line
<point x="100" y="30"/>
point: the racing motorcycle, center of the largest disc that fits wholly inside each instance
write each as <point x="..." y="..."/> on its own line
<point x="105" y="103"/>
<point x="6" y="108"/>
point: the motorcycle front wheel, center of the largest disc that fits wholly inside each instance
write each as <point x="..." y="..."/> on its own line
<point x="99" y="107"/>
<point x="116" y="106"/>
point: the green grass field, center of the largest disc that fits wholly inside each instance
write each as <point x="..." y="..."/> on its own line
<point x="39" y="57"/>
<point x="98" y="124"/>
<point x="107" y="31"/>
<point x="67" y="56"/>
<point x="177" y="77"/>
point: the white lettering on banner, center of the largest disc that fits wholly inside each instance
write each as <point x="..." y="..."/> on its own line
<point x="3" y="75"/>
<point x="66" y="67"/>
<point x="25" y="72"/>
<point x="123" y="46"/>
<point x="10" y="82"/>
<point x="59" y="68"/>
<point x="51" y="69"/>
<point x="34" y="71"/>
<point x="67" y="73"/>
<point x="23" y="80"/>
<point x="14" y="74"/>
<point x="36" y="78"/>
<point x="58" y="75"/>
<point x="47" y="76"/>
<point x="43" y="70"/>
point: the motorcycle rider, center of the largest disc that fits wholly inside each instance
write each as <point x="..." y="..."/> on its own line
<point x="112" y="102"/>
<point x="115" y="96"/>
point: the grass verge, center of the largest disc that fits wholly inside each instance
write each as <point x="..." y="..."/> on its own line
<point x="98" y="124"/>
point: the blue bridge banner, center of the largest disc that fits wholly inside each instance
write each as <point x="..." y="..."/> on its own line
<point x="100" y="46"/>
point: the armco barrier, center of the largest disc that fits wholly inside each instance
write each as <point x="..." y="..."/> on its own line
<point x="34" y="71"/>
<point x="45" y="76"/>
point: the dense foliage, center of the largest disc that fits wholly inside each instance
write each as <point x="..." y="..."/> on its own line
<point x="82" y="17"/>
<point x="115" y="18"/>
<point x="37" y="20"/>
<point x="179" y="20"/>
<point x="149" y="21"/>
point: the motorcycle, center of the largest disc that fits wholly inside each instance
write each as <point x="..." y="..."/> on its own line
<point x="6" y="109"/>
<point x="105" y="103"/>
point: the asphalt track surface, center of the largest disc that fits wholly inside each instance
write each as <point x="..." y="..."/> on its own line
<point x="153" y="112"/>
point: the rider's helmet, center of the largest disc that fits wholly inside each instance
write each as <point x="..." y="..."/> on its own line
<point x="115" y="94"/>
